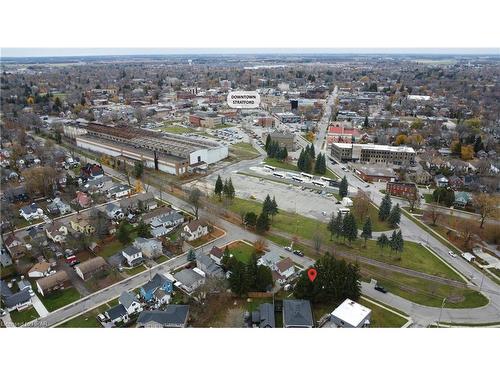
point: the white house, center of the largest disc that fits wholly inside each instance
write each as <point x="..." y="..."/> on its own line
<point x="130" y="302"/>
<point x="351" y="315"/>
<point x="194" y="230"/>
<point x="217" y="254"/>
<point x="119" y="191"/>
<point x="113" y="211"/>
<point x="31" y="212"/>
<point x="132" y="255"/>
<point x="40" y="269"/>
<point x="57" y="232"/>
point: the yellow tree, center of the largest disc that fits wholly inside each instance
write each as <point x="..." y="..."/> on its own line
<point x="467" y="152"/>
<point x="486" y="205"/>
<point x="138" y="186"/>
<point x="401" y="139"/>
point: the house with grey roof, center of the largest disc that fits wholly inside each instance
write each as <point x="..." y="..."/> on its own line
<point x="151" y="248"/>
<point x="117" y="314"/>
<point x="174" y="316"/>
<point x="113" y="211"/>
<point x="17" y="301"/>
<point x="139" y="202"/>
<point x="189" y="280"/>
<point x="208" y="266"/>
<point x="58" y="207"/>
<point x="297" y="313"/>
<point x="130" y="302"/>
<point x="263" y="316"/>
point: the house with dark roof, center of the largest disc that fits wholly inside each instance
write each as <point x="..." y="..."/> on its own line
<point x="57" y="232"/>
<point x="132" y="255"/>
<point x="195" y="229"/>
<point x="216" y="254"/>
<point x="15" y="247"/>
<point x="263" y="316"/>
<point x="139" y="202"/>
<point x="174" y="316"/>
<point x="297" y="313"/>
<point x="31" y="212"/>
<point x="162" y="220"/>
<point x="285" y="268"/>
<point x="189" y="280"/>
<point x="18" y="301"/>
<point x="51" y="283"/>
<point x="90" y="267"/>
<point x="113" y="211"/>
<point x="151" y="247"/>
<point x="119" y="191"/>
<point x="158" y="282"/>
<point x="117" y="314"/>
<point x="208" y="266"/>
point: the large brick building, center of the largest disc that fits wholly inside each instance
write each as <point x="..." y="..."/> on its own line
<point x="401" y="189"/>
<point x="373" y="154"/>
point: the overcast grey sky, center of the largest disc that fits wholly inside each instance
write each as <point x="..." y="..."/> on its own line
<point x="45" y="52"/>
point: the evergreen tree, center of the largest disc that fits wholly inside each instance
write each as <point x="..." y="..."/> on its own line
<point x="228" y="189"/>
<point x="367" y="229"/>
<point x="266" y="205"/>
<point x="312" y="153"/>
<point x="264" y="279"/>
<point x="219" y="187"/>
<point x="251" y="273"/>
<point x="308" y="161"/>
<point x="331" y="226"/>
<point x="273" y="209"/>
<point x="350" y="228"/>
<point x="226" y="257"/>
<point x="385" y="208"/>
<point x="478" y="144"/>
<point x="262" y="224"/>
<point x="123" y="233"/>
<point x="336" y="281"/>
<point x="317" y="165"/>
<point x="339" y="225"/>
<point x="285" y="154"/>
<point x="250" y="219"/>
<point x="382" y="241"/>
<point x="301" y="161"/>
<point x="143" y="230"/>
<point x="343" y="187"/>
<point x="237" y="279"/>
<point x="394" y="216"/>
<point x="365" y="123"/>
<point x="396" y="242"/>
<point x="191" y="257"/>
<point x="268" y="142"/>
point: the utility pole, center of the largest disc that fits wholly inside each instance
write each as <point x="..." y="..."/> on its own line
<point x="441" y="311"/>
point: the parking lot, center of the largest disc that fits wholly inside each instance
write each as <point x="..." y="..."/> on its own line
<point x="289" y="197"/>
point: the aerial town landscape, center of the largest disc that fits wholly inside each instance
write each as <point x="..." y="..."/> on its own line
<point x="361" y="191"/>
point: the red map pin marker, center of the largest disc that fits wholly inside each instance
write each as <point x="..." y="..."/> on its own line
<point x="312" y="273"/>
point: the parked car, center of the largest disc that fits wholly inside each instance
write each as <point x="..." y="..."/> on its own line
<point x="380" y="288"/>
<point x="452" y="254"/>
<point x="288" y="248"/>
<point x="299" y="253"/>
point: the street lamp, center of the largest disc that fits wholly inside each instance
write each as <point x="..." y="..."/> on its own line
<point x="441" y="311"/>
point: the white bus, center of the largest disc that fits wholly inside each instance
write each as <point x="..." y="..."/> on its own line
<point x="307" y="175"/>
<point x="278" y="174"/>
<point x="344" y="211"/>
<point x="269" y="167"/>
<point x="319" y="183"/>
<point x="298" y="179"/>
<point x="326" y="179"/>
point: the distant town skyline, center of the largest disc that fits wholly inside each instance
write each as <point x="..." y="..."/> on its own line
<point x="70" y="52"/>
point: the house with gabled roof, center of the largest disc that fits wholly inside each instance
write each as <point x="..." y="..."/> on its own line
<point x="174" y="316"/>
<point x="158" y="282"/>
<point x="297" y="313"/>
<point x="195" y="229"/>
<point x="57" y="232"/>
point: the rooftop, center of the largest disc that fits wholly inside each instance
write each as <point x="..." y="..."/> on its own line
<point x="351" y="312"/>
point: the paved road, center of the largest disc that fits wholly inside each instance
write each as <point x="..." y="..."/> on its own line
<point x="325" y="121"/>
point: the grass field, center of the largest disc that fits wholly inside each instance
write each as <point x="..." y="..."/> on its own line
<point x="426" y="292"/>
<point x="414" y="255"/>
<point x="293" y="167"/>
<point x="241" y="251"/>
<point x="175" y="129"/>
<point x="88" y="319"/>
<point x="136" y="270"/>
<point x="382" y="318"/>
<point x="24" y="316"/>
<point x="60" y="298"/>
<point x="243" y="150"/>
<point x="377" y="224"/>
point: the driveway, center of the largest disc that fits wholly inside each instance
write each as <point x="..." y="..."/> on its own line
<point x="39" y="307"/>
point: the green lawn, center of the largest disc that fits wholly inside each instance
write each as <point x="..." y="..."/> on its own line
<point x="293" y="167"/>
<point x="175" y="129"/>
<point x="382" y="318"/>
<point x="111" y="248"/>
<point x="424" y="292"/>
<point x="135" y="270"/>
<point x="21" y="317"/>
<point x="88" y="319"/>
<point x="241" y="251"/>
<point x="161" y="259"/>
<point x="377" y="224"/>
<point x="243" y="150"/>
<point x="414" y="255"/>
<point x="60" y="298"/>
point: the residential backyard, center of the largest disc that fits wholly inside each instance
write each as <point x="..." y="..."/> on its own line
<point x="241" y="251"/>
<point x="88" y="319"/>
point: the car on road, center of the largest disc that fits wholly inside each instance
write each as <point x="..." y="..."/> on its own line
<point x="452" y="254"/>
<point x="287" y="248"/>
<point x="323" y="213"/>
<point x="338" y="202"/>
<point x="380" y="288"/>
<point x="298" y="253"/>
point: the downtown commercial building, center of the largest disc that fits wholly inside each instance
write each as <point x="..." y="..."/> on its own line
<point x="371" y="153"/>
<point x="169" y="153"/>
